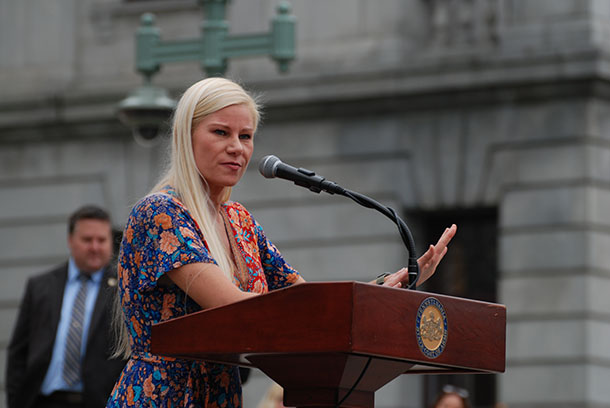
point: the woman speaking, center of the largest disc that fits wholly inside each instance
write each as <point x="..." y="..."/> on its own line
<point x="186" y="247"/>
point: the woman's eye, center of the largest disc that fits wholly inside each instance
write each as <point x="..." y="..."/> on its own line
<point x="220" y="132"/>
<point x="245" y="136"/>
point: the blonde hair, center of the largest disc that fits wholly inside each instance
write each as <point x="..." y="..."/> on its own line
<point x="198" y="101"/>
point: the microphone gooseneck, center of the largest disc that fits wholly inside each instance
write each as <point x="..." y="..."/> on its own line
<point x="271" y="167"/>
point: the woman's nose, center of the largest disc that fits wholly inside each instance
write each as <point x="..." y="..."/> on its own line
<point x="235" y="145"/>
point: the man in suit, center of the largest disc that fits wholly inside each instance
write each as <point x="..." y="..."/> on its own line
<point x="59" y="353"/>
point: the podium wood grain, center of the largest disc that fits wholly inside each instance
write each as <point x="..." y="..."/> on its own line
<point x="315" y="339"/>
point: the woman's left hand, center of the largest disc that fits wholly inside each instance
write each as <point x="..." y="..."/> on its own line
<point x="427" y="262"/>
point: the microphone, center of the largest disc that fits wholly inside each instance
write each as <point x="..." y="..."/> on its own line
<point x="271" y="166"/>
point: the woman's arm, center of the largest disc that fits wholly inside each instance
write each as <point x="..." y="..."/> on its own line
<point x="207" y="285"/>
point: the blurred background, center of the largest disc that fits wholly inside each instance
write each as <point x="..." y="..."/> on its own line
<point x="491" y="114"/>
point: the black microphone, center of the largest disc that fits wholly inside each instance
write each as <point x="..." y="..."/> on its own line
<point x="271" y="167"/>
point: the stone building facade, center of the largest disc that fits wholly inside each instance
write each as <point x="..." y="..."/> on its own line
<point x="493" y="112"/>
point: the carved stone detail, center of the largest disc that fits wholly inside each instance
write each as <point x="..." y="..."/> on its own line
<point x="457" y="24"/>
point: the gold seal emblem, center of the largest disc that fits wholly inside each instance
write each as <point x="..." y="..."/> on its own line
<point x="431" y="327"/>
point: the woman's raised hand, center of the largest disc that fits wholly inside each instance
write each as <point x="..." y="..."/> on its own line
<point x="427" y="262"/>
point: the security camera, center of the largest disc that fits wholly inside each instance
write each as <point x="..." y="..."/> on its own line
<point x="146" y="111"/>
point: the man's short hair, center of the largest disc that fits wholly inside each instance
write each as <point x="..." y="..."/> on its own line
<point x="87" y="212"/>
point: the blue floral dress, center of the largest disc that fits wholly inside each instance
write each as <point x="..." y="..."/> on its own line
<point x="161" y="235"/>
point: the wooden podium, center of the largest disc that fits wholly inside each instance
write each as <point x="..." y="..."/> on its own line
<point x="318" y="340"/>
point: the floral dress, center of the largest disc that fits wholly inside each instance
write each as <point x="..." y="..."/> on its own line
<point x="161" y="235"/>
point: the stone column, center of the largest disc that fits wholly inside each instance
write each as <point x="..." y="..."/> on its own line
<point x="555" y="266"/>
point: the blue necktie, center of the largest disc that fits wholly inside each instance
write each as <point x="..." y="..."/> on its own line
<point x="71" y="373"/>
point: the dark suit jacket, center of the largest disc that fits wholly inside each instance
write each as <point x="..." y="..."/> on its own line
<point x="31" y="345"/>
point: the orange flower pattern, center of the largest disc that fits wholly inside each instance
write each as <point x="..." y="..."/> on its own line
<point x="169" y="242"/>
<point x="161" y="235"/>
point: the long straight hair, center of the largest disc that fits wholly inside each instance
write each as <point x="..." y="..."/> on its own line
<point x="198" y="101"/>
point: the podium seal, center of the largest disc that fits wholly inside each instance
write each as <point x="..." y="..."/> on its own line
<point x="431" y="327"/>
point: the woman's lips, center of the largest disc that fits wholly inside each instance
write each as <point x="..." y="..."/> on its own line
<point x="232" y="165"/>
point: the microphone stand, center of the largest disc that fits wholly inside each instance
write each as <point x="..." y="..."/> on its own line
<point x="271" y="167"/>
<point x="405" y="233"/>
